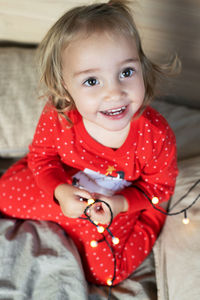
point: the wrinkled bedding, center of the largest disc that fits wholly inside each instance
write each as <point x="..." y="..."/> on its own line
<point x="177" y="250"/>
<point x="39" y="262"/>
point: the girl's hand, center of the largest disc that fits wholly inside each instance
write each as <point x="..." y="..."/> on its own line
<point x="69" y="197"/>
<point x="100" y="212"/>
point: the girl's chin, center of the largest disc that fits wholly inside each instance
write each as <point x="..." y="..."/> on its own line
<point x="115" y="126"/>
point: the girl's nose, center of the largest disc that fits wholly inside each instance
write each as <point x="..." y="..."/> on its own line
<point x="114" y="93"/>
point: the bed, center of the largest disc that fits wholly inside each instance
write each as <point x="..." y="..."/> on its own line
<point x="38" y="260"/>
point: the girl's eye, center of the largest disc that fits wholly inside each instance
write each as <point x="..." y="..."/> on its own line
<point x="91" y="81"/>
<point x="128" y="72"/>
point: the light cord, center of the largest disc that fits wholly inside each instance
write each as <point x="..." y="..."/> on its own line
<point x="87" y="217"/>
<point x="175" y="204"/>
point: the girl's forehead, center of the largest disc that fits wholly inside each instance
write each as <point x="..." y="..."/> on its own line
<point x="88" y="40"/>
<point x="98" y="50"/>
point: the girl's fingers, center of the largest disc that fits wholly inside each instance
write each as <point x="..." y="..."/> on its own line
<point x="99" y="213"/>
<point x="83" y="194"/>
<point x="84" y="198"/>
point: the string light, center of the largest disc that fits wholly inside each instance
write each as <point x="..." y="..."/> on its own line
<point x="100" y="229"/>
<point x="93" y="244"/>
<point x="109" y="281"/>
<point x="115" y="240"/>
<point x="155" y="200"/>
<point x="185" y="220"/>
<point x="90" y="201"/>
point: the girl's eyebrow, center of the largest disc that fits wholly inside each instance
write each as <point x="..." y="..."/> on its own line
<point x="85" y="72"/>
<point x="129" y="60"/>
<point x="135" y="59"/>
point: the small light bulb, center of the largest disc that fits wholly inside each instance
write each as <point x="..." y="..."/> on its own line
<point x="109" y="282"/>
<point x="100" y="229"/>
<point x="155" y="200"/>
<point x="90" y="201"/>
<point x="115" y="240"/>
<point x="93" y="244"/>
<point x="186" y="221"/>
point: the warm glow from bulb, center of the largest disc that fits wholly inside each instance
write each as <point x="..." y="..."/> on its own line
<point x="115" y="240"/>
<point x="109" y="281"/>
<point x="155" y="200"/>
<point x="100" y="229"/>
<point x="186" y="221"/>
<point x="93" y="244"/>
<point x="90" y="201"/>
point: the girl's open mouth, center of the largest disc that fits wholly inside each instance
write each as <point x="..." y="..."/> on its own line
<point x="114" y="112"/>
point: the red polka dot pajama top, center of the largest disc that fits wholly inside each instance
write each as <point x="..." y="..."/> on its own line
<point x="147" y="158"/>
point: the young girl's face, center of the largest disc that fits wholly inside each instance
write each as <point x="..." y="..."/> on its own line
<point x="103" y="75"/>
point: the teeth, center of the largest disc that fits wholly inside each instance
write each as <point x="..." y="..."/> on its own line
<point x="114" y="112"/>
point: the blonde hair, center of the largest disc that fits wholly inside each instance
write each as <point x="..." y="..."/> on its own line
<point x="114" y="16"/>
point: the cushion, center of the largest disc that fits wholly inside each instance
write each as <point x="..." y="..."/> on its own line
<point x="20" y="108"/>
<point x="178" y="247"/>
<point x="185" y="123"/>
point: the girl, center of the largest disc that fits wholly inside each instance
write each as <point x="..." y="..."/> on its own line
<point x="97" y="138"/>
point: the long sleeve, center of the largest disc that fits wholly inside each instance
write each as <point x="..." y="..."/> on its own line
<point x="43" y="159"/>
<point x="158" y="174"/>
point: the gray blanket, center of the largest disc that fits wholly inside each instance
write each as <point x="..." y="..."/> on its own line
<point x="39" y="262"/>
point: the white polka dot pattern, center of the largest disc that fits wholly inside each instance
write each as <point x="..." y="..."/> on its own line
<point x="147" y="158"/>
